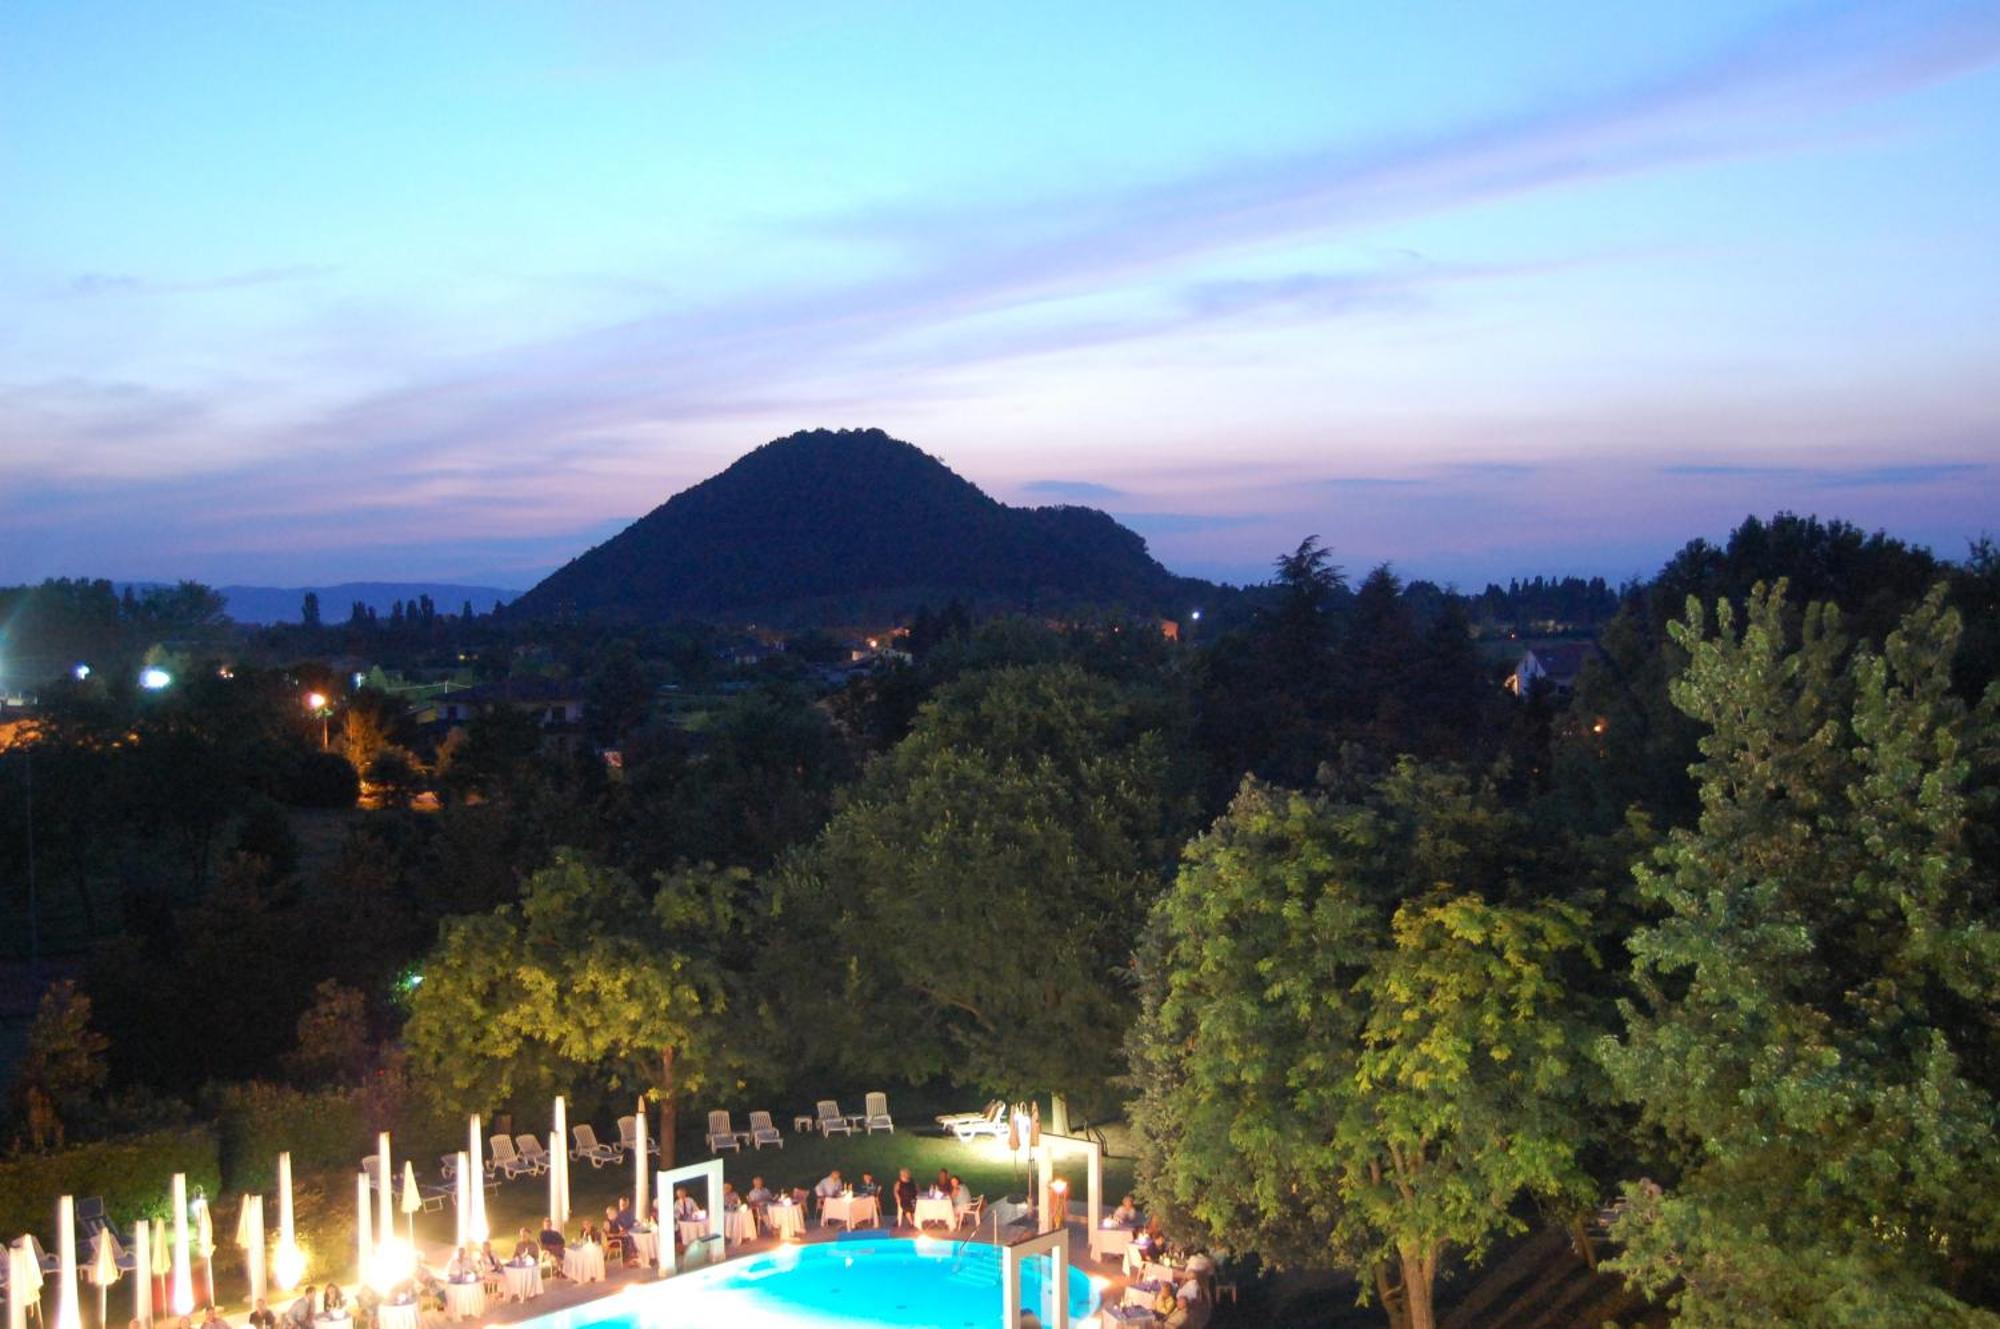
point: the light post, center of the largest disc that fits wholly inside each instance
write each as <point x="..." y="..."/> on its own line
<point x="316" y="705"/>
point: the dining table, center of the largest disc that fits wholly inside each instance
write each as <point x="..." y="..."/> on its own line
<point x="465" y="1299"/>
<point x="936" y="1209"/>
<point x="693" y="1229"/>
<point x="739" y="1224"/>
<point x="786" y="1218"/>
<point x="397" y="1315"/>
<point x="524" y="1278"/>
<point x="645" y="1244"/>
<point x="852" y="1210"/>
<point x="584" y="1262"/>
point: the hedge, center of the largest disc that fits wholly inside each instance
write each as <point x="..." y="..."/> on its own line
<point x="256" y="1122"/>
<point x="133" y="1175"/>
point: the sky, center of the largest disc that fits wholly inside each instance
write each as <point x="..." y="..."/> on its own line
<point x="296" y="293"/>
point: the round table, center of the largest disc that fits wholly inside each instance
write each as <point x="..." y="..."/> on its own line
<point x="786" y="1220"/>
<point x="739" y="1224"/>
<point x="466" y="1300"/>
<point x="523" y="1280"/>
<point x="397" y="1315"/>
<point x="645" y="1244"/>
<point x="584" y="1263"/>
<point x="938" y="1210"/>
<point x="853" y="1210"/>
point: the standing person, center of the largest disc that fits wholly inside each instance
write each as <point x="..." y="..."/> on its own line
<point x="906" y="1198"/>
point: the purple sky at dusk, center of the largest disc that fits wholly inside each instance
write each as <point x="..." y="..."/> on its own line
<point x="375" y="292"/>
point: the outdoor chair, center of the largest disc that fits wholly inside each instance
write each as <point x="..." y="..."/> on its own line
<point x="722" y="1134"/>
<point x="992" y="1126"/>
<point x="948" y="1120"/>
<point x="974" y="1213"/>
<point x="831" y="1121"/>
<point x="762" y="1132"/>
<point x="531" y="1152"/>
<point x="877" y="1114"/>
<point x="505" y="1158"/>
<point x="628" y="1137"/>
<point x="588" y="1148"/>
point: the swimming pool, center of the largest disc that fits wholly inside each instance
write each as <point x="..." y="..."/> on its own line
<point x="848" y="1284"/>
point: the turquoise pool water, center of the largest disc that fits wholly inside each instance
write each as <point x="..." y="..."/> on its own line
<point x="846" y="1284"/>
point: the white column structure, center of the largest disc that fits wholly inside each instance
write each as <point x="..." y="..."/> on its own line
<point x="1054" y="1244"/>
<point x="664" y="1183"/>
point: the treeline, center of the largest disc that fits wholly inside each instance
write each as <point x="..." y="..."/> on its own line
<point x="1386" y="961"/>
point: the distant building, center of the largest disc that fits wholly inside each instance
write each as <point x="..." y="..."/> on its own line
<point x="552" y="701"/>
<point x="1554" y="668"/>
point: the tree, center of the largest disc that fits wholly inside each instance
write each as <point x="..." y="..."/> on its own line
<point x="333" y="1042"/>
<point x="582" y="985"/>
<point x="309" y="610"/>
<point x="986" y="882"/>
<point x="63" y="1065"/>
<point x="616" y="694"/>
<point x="1813" y="1040"/>
<point x="1353" y="1049"/>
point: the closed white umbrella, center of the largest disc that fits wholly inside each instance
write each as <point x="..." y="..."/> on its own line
<point x="558" y="1185"/>
<point x="364" y="1240"/>
<point x="104" y="1255"/>
<point x="68" y="1314"/>
<point x="559" y="1156"/>
<point x="463" y="1174"/>
<point x="639" y="1171"/>
<point x="290" y="1263"/>
<point x="24" y="1283"/>
<point x="142" y="1273"/>
<point x="250" y="1236"/>
<point x="478" y="1231"/>
<point x="413" y="1200"/>
<point x="163" y="1260"/>
<point x="385" y="1183"/>
<point x="204" y="1243"/>
<point x="182" y="1296"/>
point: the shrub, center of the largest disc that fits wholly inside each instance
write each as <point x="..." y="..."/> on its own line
<point x="256" y="1122"/>
<point x="133" y="1175"/>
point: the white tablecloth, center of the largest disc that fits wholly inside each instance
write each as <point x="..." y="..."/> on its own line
<point x="584" y="1263"/>
<point x="936" y="1211"/>
<point x="691" y="1230"/>
<point x="786" y="1220"/>
<point x="523" y="1280"/>
<point x="853" y="1210"/>
<point x="740" y="1224"/>
<point x="646" y="1244"/>
<point x="465" y="1301"/>
<point x="396" y="1315"/>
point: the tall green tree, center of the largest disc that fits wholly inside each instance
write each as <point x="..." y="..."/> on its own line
<point x="1361" y="1043"/>
<point x="987" y="882"/>
<point x="584" y="984"/>
<point x="1813" y="1039"/>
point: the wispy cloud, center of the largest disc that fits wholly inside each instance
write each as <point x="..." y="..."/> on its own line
<point x="1833" y="477"/>
<point x="91" y="285"/>
<point x="1084" y="490"/>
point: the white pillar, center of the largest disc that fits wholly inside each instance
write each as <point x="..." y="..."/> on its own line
<point x="68" y="1314"/>
<point x="181" y="1294"/>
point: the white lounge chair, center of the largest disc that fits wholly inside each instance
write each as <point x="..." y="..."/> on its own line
<point x="448" y="1169"/>
<point x="951" y="1119"/>
<point x="877" y="1114"/>
<point x="505" y="1159"/>
<point x="532" y="1153"/>
<point x="628" y="1137"/>
<point x="721" y="1134"/>
<point x="762" y="1132"/>
<point x="830" y="1119"/>
<point x="589" y="1150"/>
<point x="992" y="1126"/>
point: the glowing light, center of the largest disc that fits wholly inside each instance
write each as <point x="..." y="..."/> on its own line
<point x="153" y="678"/>
<point x="360" y="680"/>
<point x="289" y="1264"/>
<point x="82" y="671"/>
<point x="315" y="701"/>
<point x="1196" y="616"/>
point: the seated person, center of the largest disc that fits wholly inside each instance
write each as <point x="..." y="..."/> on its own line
<point x="960" y="1196"/>
<point x="464" y="1266"/>
<point x="300" y="1312"/>
<point x="213" y="1320"/>
<point x="489" y="1259"/>
<point x="614" y="1236"/>
<point x="943" y="1184"/>
<point x="552" y="1239"/>
<point x="587" y="1236"/>
<point x="1190" y="1309"/>
<point x="333" y="1299"/>
<point x="759" y="1197"/>
<point x="526" y="1250"/>
<point x="868" y="1185"/>
<point x="829" y="1186"/>
<point x="731" y="1201"/>
<point x="1126" y="1215"/>
<point x="626" y="1220"/>
<point x="261" y="1317"/>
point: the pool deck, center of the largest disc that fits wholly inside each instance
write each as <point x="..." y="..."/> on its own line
<point x="561" y="1294"/>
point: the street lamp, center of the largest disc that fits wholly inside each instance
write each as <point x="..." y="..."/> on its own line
<point x="316" y="705"/>
<point x="153" y="678"/>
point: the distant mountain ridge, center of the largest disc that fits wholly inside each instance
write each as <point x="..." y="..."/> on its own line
<point x="847" y="526"/>
<point x="281" y="604"/>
